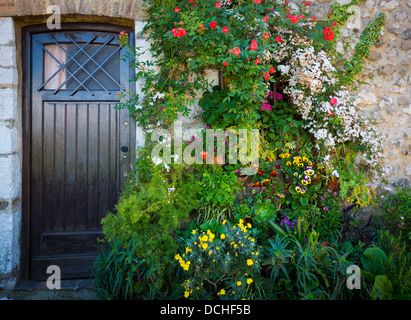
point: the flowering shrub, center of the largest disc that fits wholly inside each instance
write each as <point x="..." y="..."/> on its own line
<point x="279" y="69"/>
<point x="224" y="265"/>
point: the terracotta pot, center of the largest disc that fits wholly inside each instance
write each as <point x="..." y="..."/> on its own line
<point x="333" y="184"/>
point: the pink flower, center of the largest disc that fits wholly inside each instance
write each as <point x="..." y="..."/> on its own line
<point x="257" y="1"/>
<point x="218" y="5"/>
<point x="278" y="96"/>
<point x="265" y="36"/>
<point x="176" y="9"/>
<point x="334" y="24"/>
<point x="333" y="101"/>
<point x="266" y="18"/>
<point x="225" y="30"/>
<point x="266" y="106"/>
<point x="278" y="39"/>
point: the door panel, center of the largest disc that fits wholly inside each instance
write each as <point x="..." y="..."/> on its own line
<point x="76" y="166"/>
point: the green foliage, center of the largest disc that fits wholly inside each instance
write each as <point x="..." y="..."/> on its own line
<point x="218" y="112"/>
<point x="120" y="274"/>
<point x="218" y="188"/>
<point x="390" y="276"/>
<point x="368" y="38"/>
<point x="397" y="212"/>
<point x="151" y="213"/>
<point x="303" y="270"/>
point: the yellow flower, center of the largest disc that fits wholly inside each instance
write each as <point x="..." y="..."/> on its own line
<point x="301" y="164"/>
<point x="205" y="245"/>
<point x="194" y="232"/>
<point x="305" y="159"/>
<point x="288" y="163"/>
<point x="222" y="236"/>
<point x="224" y="222"/>
<point x="304" y="182"/>
<point x="222" y="292"/>
<point x="238" y="283"/>
<point x="298" y="189"/>
<point x="252" y="239"/>
<point x="295" y="174"/>
<point x="249" y="280"/>
<point x="249" y="225"/>
<point x="186" y="294"/>
<point x="250" y="262"/>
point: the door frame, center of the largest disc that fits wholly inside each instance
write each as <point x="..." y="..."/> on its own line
<point x="27" y="32"/>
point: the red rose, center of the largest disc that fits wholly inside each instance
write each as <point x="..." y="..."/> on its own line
<point x="278" y="39"/>
<point x="254" y="46"/>
<point x="236" y="51"/>
<point x="267" y="76"/>
<point x="334" y="24"/>
<point x="257" y="1"/>
<point x="266" y="18"/>
<point x="257" y="61"/>
<point x="176" y="9"/>
<point x="331" y="114"/>
<point x="333" y="101"/>
<point x="218" y="5"/>
<point x="307" y="3"/>
<point x="213" y="24"/>
<point x="225" y="30"/>
<point x="265" y="36"/>
<point x="225" y="63"/>
<point x="314" y="18"/>
<point x="272" y="70"/>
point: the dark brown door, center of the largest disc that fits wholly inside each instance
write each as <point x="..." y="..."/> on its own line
<point x="77" y="138"/>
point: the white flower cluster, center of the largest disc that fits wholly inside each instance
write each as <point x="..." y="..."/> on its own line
<point x="308" y="74"/>
<point x="352" y="127"/>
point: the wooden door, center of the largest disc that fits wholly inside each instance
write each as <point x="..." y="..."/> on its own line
<point x="77" y="145"/>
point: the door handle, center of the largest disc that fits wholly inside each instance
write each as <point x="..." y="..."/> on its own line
<point x="124" y="149"/>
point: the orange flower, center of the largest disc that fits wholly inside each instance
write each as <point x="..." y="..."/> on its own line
<point x="274" y="174"/>
<point x="204" y="155"/>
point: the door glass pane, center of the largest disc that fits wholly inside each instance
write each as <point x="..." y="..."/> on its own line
<point x="93" y="67"/>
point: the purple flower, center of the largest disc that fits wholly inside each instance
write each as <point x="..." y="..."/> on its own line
<point x="325" y="208"/>
<point x="278" y="96"/>
<point x="237" y="170"/>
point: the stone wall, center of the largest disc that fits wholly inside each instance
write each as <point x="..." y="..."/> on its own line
<point x="387" y="98"/>
<point x="10" y="147"/>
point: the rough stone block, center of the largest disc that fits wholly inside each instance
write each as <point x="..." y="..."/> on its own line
<point x="6" y="31"/>
<point x="7" y="56"/>
<point x="9" y="177"/>
<point x="8" y="103"/>
<point x="8" y="140"/>
<point x="8" y="76"/>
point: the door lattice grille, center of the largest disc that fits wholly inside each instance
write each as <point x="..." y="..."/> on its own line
<point x="90" y="67"/>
